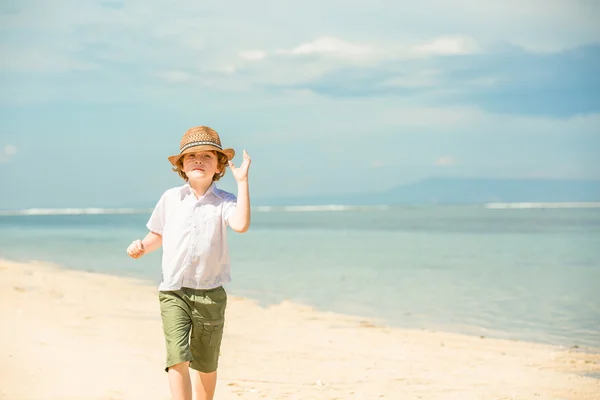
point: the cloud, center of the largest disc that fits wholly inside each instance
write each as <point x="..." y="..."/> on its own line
<point x="252" y="55"/>
<point x="448" y="46"/>
<point x="380" y="51"/>
<point x="330" y="46"/>
<point x="359" y="53"/>
<point x="445" y="161"/>
<point x="510" y="80"/>
<point x="520" y="82"/>
<point x="329" y="59"/>
<point x="448" y="70"/>
<point x="73" y="35"/>
<point x="7" y="152"/>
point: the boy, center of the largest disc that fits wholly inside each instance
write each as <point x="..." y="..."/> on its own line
<point x="190" y="223"/>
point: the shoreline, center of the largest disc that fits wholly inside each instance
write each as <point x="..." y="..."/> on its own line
<point x="382" y="321"/>
<point x="88" y="335"/>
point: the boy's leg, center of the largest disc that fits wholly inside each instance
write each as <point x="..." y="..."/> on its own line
<point x="205" y="384"/>
<point x="208" y="319"/>
<point x="177" y="324"/>
<point x="179" y="382"/>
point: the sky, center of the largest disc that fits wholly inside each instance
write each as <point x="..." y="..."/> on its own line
<point x="327" y="97"/>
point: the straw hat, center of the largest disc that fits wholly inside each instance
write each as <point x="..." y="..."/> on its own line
<point x="200" y="138"/>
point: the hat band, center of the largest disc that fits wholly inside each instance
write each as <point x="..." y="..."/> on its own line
<point x="193" y="144"/>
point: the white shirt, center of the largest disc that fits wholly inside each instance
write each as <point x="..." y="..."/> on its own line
<point x="194" y="237"/>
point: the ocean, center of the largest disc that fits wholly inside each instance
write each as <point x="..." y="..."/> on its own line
<point x="524" y="274"/>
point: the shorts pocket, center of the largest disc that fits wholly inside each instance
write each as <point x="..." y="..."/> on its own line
<point x="212" y="332"/>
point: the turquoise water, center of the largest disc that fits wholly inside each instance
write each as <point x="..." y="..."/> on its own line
<point x="528" y="274"/>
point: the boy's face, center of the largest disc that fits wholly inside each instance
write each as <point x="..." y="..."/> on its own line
<point x="201" y="165"/>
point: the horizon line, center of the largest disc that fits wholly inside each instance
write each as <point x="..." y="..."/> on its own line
<point x="37" y="211"/>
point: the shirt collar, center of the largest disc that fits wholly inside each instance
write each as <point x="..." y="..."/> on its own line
<point x="187" y="189"/>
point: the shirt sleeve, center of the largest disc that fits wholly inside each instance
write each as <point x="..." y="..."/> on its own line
<point x="229" y="206"/>
<point x="156" y="223"/>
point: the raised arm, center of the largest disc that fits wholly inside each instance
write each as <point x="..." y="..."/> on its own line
<point x="239" y="221"/>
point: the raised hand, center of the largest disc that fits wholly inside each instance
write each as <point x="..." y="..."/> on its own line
<point x="241" y="174"/>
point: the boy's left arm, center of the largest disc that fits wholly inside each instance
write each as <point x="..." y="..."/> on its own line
<point x="239" y="221"/>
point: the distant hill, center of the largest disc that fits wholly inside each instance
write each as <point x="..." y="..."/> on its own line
<point x="462" y="191"/>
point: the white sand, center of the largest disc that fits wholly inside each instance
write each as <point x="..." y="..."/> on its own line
<point x="75" y="335"/>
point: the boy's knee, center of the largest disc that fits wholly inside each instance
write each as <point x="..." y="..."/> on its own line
<point x="180" y="367"/>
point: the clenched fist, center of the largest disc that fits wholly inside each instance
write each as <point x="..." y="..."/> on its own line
<point x="136" y="249"/>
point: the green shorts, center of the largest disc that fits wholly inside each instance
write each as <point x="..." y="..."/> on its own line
<point x="193" y="322"/>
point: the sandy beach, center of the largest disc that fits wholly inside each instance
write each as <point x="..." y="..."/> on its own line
<point x="77" y="335"/>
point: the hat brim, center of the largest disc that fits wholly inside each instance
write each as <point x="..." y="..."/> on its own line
<point x="230" y="153"/>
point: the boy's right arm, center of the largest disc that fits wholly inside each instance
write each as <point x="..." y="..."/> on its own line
<point x="151" y="242"/>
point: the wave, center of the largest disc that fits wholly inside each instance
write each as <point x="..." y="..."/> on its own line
<point x="114" y="211"/>
<point x="329" y="207"/>
<point x="543" y="205"/>
<point x="75" y="211"/>
<point x="266" y="209"/>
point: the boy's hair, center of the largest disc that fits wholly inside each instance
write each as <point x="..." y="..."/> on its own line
<point x="221" y="164"/>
